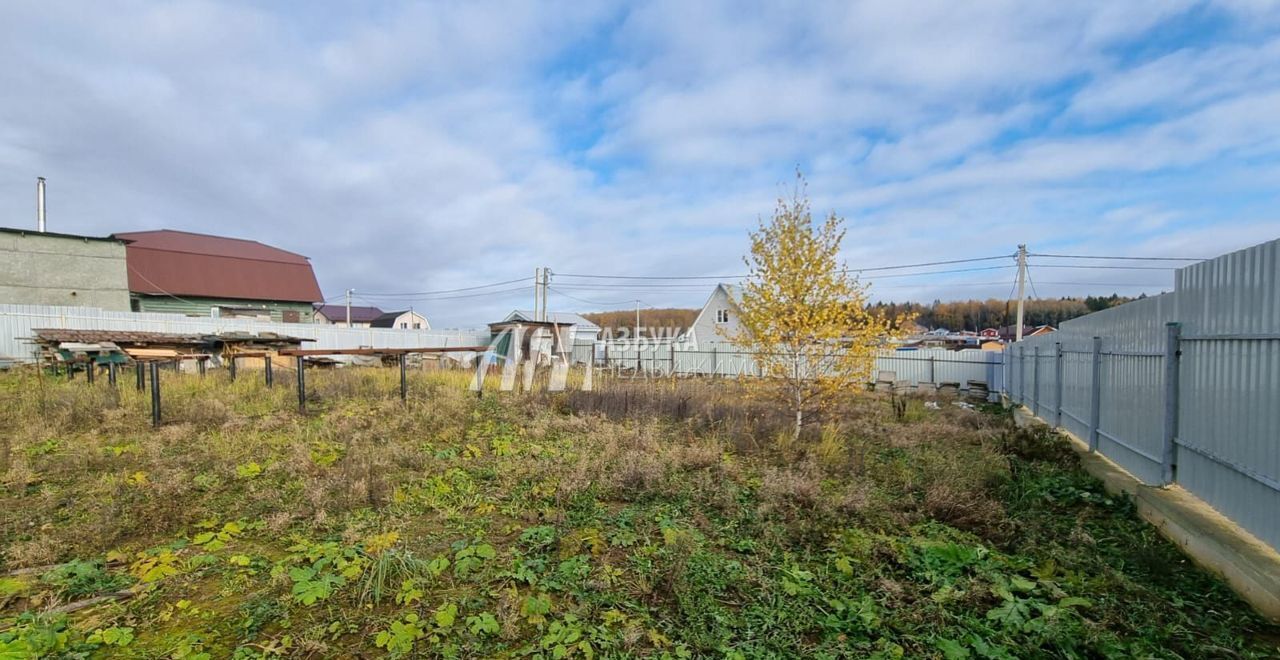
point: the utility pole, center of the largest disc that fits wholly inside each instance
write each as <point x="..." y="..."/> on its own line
<point x="539" y="294"/>
<point x="546" y="283"/>
<point x="1022" y="287"/>
<point x="349" y="292"/>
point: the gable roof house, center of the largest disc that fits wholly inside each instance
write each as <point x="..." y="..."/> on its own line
<point x="202" y="275"/>
<point x="717" y="322"/>
<point x="403" y="320"/>
<point x="1010" y="332"/>
<point x="583" y="330"/>
<point x="361" y="317"/>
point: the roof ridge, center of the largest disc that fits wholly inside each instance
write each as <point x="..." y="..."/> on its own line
<point x="204" y="235"/>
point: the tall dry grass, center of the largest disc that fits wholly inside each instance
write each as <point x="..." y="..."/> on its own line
<point x="84" y="472"/>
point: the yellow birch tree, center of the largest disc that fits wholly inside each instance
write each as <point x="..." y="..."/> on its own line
<point x="803" y="314"/>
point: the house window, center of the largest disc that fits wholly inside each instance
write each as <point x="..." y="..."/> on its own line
<point x="722" y="316"/>
<point x="417" y="326"/>
<point x="404" y="325"/>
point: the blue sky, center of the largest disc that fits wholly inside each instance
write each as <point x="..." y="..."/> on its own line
<point x="411" y="147"/>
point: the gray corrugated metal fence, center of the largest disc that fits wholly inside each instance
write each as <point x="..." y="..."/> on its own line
<point x="18" y="321"/>
<point x="1183" y="387"/>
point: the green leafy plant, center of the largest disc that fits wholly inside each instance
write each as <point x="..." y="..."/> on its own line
<point x="113" y="636"/>
<point x="78" y="579"/>
<point x="311" y="585"/>
<point x="468" y="558"/>
<point x="483" y="623"/>
<point x="32" y="636"/>
<point x="216" y="540"/>
<point x="399" y="638"/>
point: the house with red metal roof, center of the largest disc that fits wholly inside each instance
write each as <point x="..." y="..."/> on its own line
<point x="202" y="275"/>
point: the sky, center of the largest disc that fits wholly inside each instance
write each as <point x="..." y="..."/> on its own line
<point x="410" y="147"/>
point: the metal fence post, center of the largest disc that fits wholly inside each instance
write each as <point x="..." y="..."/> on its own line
<point x="1095" y="395"/>
<point x="111" y="374"/>
<point x="231" y="364"/>
<point x="302" y="386"/>
<point x="715" y="353"/>
<point x="1171" y="360"/>
<point x="200" y="365"/>
<point x="404" y="384"/>
<point x="1022" y="375"/>
<point x="1035" y="381"/>
<point x="267" y="375"/>
<point x="140" y="372"/>
<point x="1057" y="385"/>
<point x="88" y="371"/>
<point x="932" y="369"/>
<point x="155" y="393"/>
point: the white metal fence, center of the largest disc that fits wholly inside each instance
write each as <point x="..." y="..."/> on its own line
<point x="1183" y="387"/>
<point x="933" y="365"/>
<point x="17" y="323"/>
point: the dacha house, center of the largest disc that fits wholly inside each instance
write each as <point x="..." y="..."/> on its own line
<point x="202" y="275"/>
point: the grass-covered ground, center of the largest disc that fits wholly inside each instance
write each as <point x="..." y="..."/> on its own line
<point x="663" y="519"/>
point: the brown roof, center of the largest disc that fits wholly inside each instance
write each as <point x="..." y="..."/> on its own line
<point x="182" y="263"/>
<point x="359" y="314"/>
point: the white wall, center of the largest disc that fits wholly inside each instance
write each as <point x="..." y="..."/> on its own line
<point x="18" y="321"/>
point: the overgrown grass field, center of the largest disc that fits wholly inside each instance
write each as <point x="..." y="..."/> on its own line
<point x="667" y="519"/>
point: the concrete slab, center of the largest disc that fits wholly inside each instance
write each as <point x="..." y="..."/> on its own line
<point x="1249" y="566"/>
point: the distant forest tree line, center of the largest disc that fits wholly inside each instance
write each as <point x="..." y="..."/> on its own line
<point x="680" y="319"/>
<point x="956" y="315"/>
<point x="976" y="315"/>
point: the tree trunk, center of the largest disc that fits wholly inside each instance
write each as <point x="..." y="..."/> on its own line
<point x="799" y="405"/>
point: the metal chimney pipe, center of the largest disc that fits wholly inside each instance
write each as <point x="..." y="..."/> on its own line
<point x="40" y="203"/>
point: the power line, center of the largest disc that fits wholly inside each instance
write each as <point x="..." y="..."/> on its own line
<point x="157" y="286"/>
<point x="465" y="295"/>
<point x="993" y="284"/>
<point x="1088" y="267"/>
<point x="939" y="272"/>
<point x="873" y="278"/>
<point x="731" y="277"/>
<point x="593" y="302"/>
<point x="1031" y="282"/>
<point x="931" y="263"/>
<point x="654" y="277"/>
<point x="431" y="293"/>
<point x="1081" y="256"/>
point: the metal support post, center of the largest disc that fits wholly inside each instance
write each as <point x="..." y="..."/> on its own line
<point x="89" y="371"/>
<point x="267" y="375"/>
<point x="404" y="383"/>
<point x="302" y="385"/>
<point x="932" y="369"/>
<point x="111" y="374"/>
<point x="142" y="376"/>
<point x="155" y="393"/>
<point x="1095" y="395"/>
<point x="1035" y="381"/>
<point x="1171" y="373"/>
<point x="1057" y="385"/>
<point x="1022" y="375"/>
<point x="231" y="366"/>
<point x="200" y="366"/>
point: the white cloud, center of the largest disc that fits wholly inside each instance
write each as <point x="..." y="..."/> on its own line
<point x="409" y="147"/>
